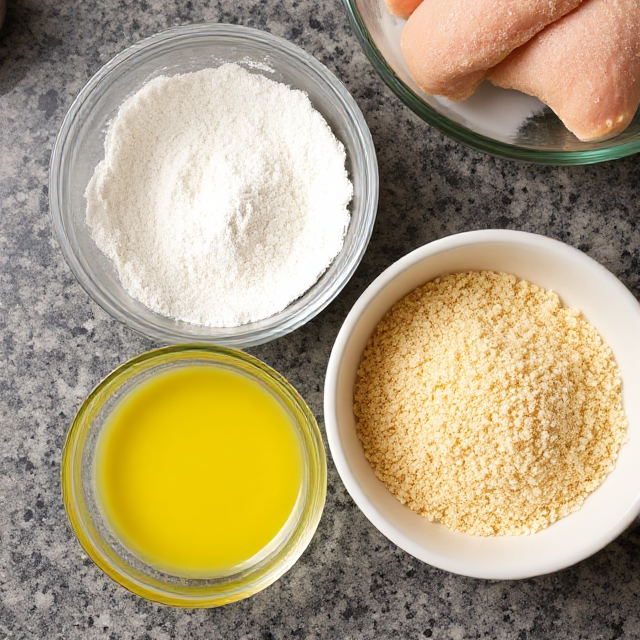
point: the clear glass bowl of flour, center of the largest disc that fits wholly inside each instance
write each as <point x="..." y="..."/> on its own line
<point x="506" y="124"/>
<point x="80" y="147"/>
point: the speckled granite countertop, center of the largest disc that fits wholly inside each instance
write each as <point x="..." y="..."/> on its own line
<point x="57" y="344"/>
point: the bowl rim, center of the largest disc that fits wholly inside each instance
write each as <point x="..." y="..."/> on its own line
<point x="238" y="586"/>
<point x="463" y="134"/>
<point x="284" y="321"/>
<point x="385" y="526"/>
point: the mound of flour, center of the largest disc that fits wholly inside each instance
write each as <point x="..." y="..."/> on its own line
<point x="222" y="196"/>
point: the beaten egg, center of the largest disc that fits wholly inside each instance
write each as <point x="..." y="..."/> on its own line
<point x="199" y="471"/>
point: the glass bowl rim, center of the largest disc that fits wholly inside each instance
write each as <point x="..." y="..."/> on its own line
<point x="297" y="540"/>
<point x="463" y="134"/>
<point x="284" y="321"/>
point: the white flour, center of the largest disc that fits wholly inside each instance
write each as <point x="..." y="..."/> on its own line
<point x="222" y="196"/>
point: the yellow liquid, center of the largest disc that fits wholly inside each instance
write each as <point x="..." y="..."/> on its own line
<point x="198" y="469"/>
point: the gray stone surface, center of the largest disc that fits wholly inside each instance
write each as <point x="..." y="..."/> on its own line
<point x="56" y="344"/>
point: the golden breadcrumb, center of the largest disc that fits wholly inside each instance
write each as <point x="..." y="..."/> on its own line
<point x="484" y="404"/>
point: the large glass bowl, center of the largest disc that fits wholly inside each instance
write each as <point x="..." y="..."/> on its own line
<point x="80" y="146"/>
<point x="493" y="120"/>
<point x="104" y="547"/>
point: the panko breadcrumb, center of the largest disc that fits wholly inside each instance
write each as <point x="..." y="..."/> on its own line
<point x="484" y="404"/>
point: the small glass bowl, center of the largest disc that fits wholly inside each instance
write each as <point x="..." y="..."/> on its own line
<point x="80" y="146"/>
<point x="106" y="550"/>
<point x="491" y="120"/>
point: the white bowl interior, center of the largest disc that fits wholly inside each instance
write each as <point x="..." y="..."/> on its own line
<point x="580" y="282"/>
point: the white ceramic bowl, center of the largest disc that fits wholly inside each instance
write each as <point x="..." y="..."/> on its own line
<point x="580" y="282"/>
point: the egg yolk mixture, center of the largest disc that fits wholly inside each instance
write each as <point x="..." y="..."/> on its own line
<point x="198" y="469"/>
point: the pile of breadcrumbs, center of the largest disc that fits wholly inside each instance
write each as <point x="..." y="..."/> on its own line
<point x="484" y="404"/>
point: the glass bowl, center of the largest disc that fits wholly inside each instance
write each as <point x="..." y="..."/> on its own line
<point x="104" y="547"/>
<point x="80" y="146"/>
<point x="506" y="124"/>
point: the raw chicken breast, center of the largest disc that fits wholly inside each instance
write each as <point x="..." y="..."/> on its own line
<point x="449" y="45"/>
<point x="586" y="67"/>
